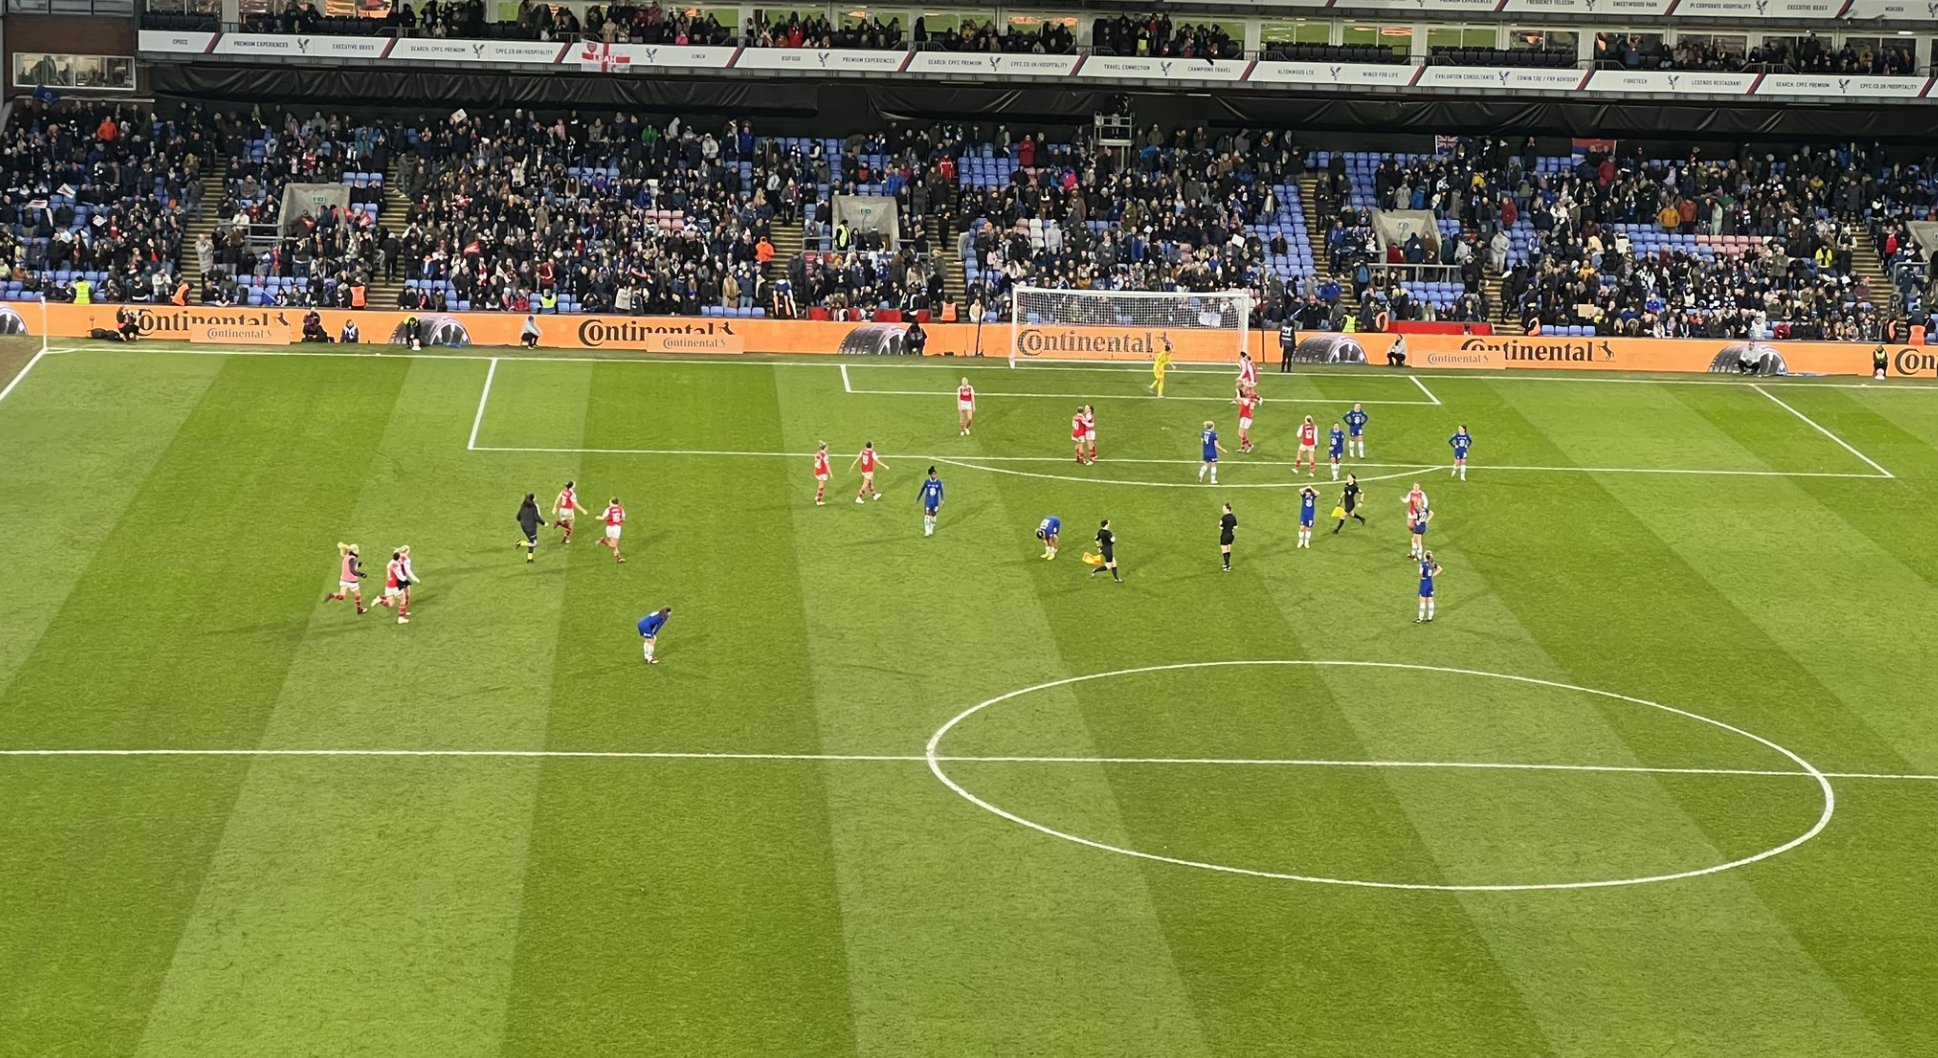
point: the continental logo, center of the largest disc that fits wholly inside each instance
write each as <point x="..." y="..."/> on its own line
<point x="165" y="321"/>
<point x="1914" y="361"/>
<point x="694" y="337"/>
<point x="1536" y="351"/>
<point x="1035" y="341"/>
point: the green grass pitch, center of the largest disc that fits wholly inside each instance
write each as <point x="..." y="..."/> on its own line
<point x="1686" y="626"/>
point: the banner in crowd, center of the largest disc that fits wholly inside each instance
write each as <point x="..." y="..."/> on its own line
<point x="700" y="334"/>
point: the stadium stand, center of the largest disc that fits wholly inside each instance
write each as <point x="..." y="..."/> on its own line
<point x="513" y="212"/>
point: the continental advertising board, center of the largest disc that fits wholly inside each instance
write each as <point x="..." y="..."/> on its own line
<point x="706" y="335"/>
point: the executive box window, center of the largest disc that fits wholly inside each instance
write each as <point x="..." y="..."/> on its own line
<point x="115" y="73"/>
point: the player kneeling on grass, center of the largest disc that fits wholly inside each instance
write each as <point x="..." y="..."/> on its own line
<point x="931" y="497"/>
<point x="649" y="629"/>
<point x="1428" y="570"/>
<point x="1047" y="531"/>
<point x="349" y="576"/>
<point x="529" y="523"/>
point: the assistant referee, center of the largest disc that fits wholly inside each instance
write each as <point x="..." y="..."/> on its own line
<point x="1348" y="504"/>
<point x="1107" y="547"/>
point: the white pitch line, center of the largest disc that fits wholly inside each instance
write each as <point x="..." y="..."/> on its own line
<point x="478" y="420"/>
<point x="1425" y="390"/>
<point x="991" y="363"/>
<point x="917" y="758"/>
<point x="846" y="386"/>
<point x="4" y="393"/>
<point x="937" y="394"/>
<point x="971" y="461"/>
<point x="1820" y="428"/>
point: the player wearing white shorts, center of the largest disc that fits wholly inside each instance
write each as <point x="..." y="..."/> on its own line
<point x="615" y="519"/>
<point x="1308" y="448"/>
<point x="1090" y="432"/>
<point x="965" y="407"/>
<point x="564" y="508"/>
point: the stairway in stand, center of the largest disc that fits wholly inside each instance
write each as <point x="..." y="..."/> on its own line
<point x="1315" y="225"/>
<point x="788" y="245"/>
<point x="944" y="260"/>
<point x="1866" y="263"/>
<point x="394" y="216"/>
<point x="1506" y="320"/>
<point x="196" y="227"/>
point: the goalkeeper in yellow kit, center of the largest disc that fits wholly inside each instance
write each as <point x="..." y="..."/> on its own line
<point x="1160" y="364"/>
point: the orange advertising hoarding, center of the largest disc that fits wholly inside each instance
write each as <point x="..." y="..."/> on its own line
<point x="699" y="334"/>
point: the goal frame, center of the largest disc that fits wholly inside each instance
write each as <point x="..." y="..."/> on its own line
<point x="1240" y="297"/>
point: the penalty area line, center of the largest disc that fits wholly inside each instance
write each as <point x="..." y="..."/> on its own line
<point x="917" y="758"/>
<point x="1820" y="428"/>
<point x="483" y="398"/>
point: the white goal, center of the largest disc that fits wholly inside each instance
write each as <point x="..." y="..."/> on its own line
<point x="1127" y="324"/>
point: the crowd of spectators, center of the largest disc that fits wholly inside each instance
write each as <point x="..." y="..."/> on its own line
<point x="1158" y="35"/>
<point x="1050" y="36"/>
<point x="777" y="30"/>
<point x="518" y="212"/>
<point x="95" y="199"/>
<point x="1808" y="54"/>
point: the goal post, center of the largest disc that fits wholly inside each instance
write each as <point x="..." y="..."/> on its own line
<point x="1128" y="324"/>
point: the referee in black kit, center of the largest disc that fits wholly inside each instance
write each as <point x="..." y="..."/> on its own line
<point x="1227" y="529"/>
<point x="1348" y="504"/>
<point x="529" y="523"/>
<point x="1288" y="341"/>
<point x="1107" y="548"/>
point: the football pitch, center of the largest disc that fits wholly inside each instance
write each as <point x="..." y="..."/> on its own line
<point x="1659" y="780"/>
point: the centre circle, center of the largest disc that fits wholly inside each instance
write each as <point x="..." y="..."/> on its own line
<point x="937" y="759"/>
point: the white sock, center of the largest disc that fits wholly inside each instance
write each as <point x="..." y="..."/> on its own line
<point x="649" y="651"/>
<point x="1423" y="609"/>
<point x="1201" y="473"/>
<point x="928" y="525"/>
<point x="1214" y="477"/>
<point x="1335" y="472"/>
<point x="1463" y="473"/>
<point x="1429" y="609"/>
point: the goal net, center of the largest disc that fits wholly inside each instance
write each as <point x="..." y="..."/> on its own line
<point x="1128" y="324"/>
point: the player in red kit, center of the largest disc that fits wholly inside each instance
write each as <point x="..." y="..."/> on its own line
<point x="1248" y="401"/>
<point x="1247" y="378"/>
<point x="1308" y="447"/>
<point x="615" y="519"/>
<point x="349" y="576"/>
<point x="1076" y="433"/>
<point x="398" y="578"/>
<point x="821" y="475"/>
<point x="1090" y="431"/>
<point x="965" y="407"/>
<point x="868" y="462"/>
<point x="564" y="507"/>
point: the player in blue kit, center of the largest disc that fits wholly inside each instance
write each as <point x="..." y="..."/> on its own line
<point x="1460" y="442"/>
<point x="1356" y="430"/>
<point x="1417" y="521"/>
<point x="1428" y="570"/>
<point x="649" y="629"/>
<point x="1211" y="450"/>
<point x="1335" y="448"/>
<point x="1308" y="510"/>
<point x="931" y="497"/>
<point x="1047" y="531"/>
